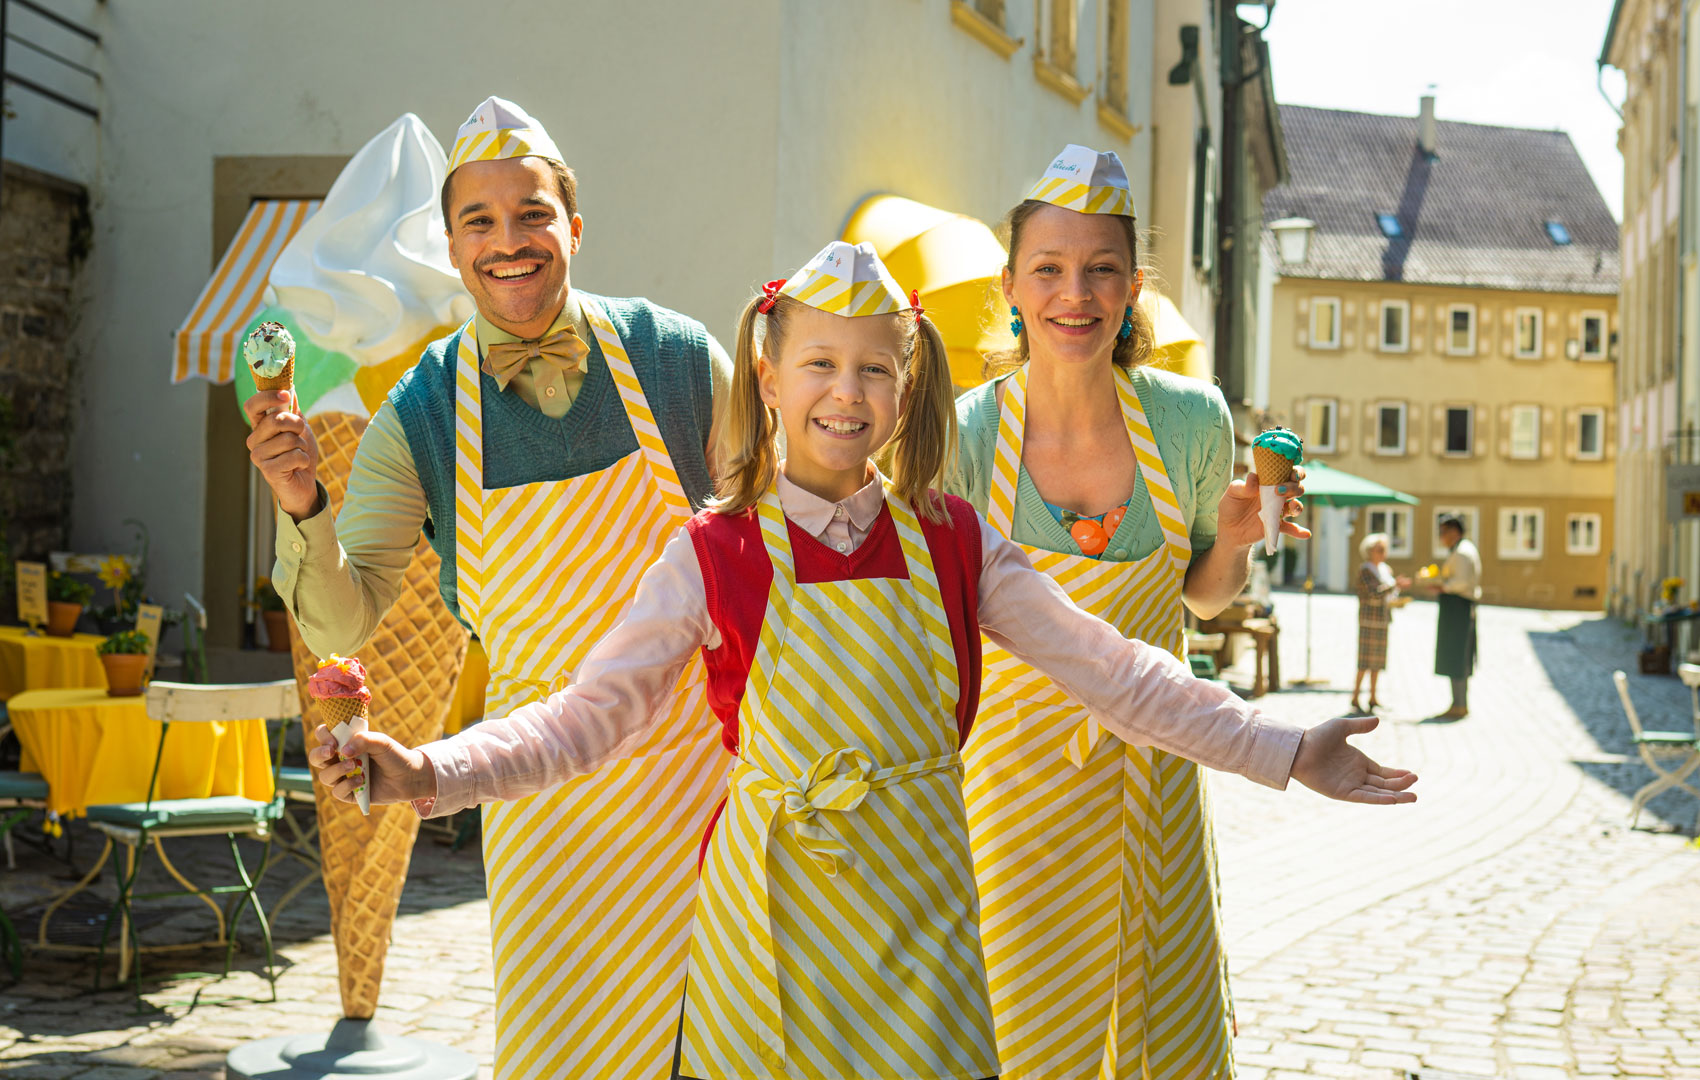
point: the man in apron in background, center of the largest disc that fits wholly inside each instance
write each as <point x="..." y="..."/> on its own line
<point x="1460" y="583"/>
<point x="549" y="448"/>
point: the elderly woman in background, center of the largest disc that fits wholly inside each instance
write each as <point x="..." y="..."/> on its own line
<point x="1377" y="588"/>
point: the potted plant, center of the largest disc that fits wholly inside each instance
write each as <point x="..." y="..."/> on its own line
<point x="272" y="612"/>
<point x="125" y="657"/>
<point x="66" y="598"/>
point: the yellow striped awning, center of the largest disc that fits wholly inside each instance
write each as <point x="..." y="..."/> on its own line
<point x="207" y="340"/>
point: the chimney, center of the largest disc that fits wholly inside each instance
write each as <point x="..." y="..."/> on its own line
<point x="1426" y="129"/>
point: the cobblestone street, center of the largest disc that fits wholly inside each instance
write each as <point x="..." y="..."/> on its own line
<point x="1509" y="924"/>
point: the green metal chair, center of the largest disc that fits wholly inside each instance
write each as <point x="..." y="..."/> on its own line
<point x="1673" y="756"/>
<point x="135" y="825"/>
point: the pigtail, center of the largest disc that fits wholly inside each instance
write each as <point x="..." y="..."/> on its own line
<point x="922" y="452"/>
<point x="748" y="454"/>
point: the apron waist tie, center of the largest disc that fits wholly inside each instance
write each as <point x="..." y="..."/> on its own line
<point x="839" y="780"/>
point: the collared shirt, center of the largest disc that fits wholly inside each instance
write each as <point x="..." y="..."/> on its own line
<point x="339" y="575"/>
<point x="1461" y="573"/>
<point x="539" y="383"/>
<point x="841" y="526"/>
<point x="1140" y="693"/>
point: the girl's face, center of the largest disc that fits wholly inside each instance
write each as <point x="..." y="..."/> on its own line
<point x="837" y="385"/>
<point x="1072" y="281"/>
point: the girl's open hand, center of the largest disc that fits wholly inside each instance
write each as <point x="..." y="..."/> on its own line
<point x="1327" y="763"/>
<point x="395" y="773"/>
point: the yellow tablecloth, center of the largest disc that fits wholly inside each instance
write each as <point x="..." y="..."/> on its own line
<point x="42" y="662"/>
<point x="94" y="749"/>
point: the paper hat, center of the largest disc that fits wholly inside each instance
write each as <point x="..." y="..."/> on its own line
<point x="499" y="129"/>
<point x="847" y="280"/>
<point x="1084" y="180"/>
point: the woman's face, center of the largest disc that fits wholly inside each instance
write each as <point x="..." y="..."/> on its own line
<point x="1378" y="553"/>
<point x="1072" y="280"/>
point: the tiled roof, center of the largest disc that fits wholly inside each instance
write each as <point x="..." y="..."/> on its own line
<point x="1474" y="215"/>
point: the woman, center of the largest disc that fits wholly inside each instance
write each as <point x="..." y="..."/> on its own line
<point x="1095" y="858"/>
<point x="1377" y="588"/>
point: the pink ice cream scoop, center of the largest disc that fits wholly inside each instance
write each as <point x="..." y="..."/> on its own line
<point x="340" y="677"/>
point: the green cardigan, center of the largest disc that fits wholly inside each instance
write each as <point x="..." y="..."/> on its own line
<point x="1194" y="432"/>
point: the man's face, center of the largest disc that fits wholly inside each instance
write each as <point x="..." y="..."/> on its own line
<point x="1450" y="536"/>
<point x="511" y="239"/>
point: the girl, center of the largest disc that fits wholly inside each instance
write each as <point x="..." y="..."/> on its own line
<point x="838" y="612"/>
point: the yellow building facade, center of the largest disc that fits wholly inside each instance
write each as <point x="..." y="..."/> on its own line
<point x="1441" y="315"/>
<point x="1469" y="400"/>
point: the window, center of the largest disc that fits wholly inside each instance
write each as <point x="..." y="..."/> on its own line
<point x="1460" y="430"/>
<point x="1395" y="326"/>
<point x="1582" y="534"/>
<point x="1064" y="35"/>
<point x="991" y="9"/>
<point x="1558" y="233"/>
<point x="1113" y="105"/>
<point x="1389" y="226"/>
<point x="1590" y="434"/>
<point x="1593" y="335"/>
<point x="1390" y="428"/>
<point x="1395" y="521"/>
<point x="985" y="20"/>
<point x="1325" y="322"/>
<point x="1461" y="330"/>
<point x="1204" y="205"/>
<point x="1466" y="514"/>
<point x="1525" y="432"/>
<point x="1520" y="532"/>
<point x="1320" y="423"/>
<point x="1528" y="333"/>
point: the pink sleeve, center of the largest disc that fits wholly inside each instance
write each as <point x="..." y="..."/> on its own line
<point x="623" y="686"/>
<point x="1139" y="693"/>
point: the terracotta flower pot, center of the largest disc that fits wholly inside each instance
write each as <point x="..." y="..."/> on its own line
<point x="277" y="630"/>
<point x="62" y="618"/>
<point x="124" y="673"/>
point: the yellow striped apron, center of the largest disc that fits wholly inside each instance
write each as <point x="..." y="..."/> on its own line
<point x="591" y="886"/>
<point x="837" y="932"/>
<point x="1095" y="859"/>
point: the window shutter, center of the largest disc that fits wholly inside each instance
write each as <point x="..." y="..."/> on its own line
<point x="1484" y="331"/>
<point x="1608" y="434"/>
<point x="1372" y="427"/>
<point x="1548" y="418"/>
<point x="1343" y="426"/>
<point x="1413" y="428"/>
<point x="1437" y="423"/>
<point x="1505" y="431"/>
<point x="1479" y="420"/>
<point x="1572" y="432"/>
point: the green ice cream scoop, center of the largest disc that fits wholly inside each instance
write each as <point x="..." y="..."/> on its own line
<point x="268" y="350"/>
<point x="1282" y="442"/>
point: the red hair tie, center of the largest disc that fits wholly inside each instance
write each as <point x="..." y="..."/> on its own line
<point x="915" y="303"/>
<point x="771" y="293"/>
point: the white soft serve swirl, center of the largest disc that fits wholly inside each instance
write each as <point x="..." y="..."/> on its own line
<point x="368" y="274"/>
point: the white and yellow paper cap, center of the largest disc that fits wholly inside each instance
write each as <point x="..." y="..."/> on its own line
<point x="497" y="130"/>
<point x="847" y="279"/>
<point x="1086" y="181"/>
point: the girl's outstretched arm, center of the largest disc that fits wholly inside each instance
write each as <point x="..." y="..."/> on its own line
<point x="624" y="685"/>
<point x="1145" y="696"/>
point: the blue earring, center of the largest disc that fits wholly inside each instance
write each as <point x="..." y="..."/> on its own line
<point x="1127" y="325"/>
<point x="1015" y="324"/>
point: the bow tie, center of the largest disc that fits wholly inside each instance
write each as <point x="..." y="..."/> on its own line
<point x="564" y="348"/>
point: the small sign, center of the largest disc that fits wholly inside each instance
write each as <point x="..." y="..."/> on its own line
<point x="1682" y="492"/>
<point x="149" y="617"/>
<point x="32" y="593"/>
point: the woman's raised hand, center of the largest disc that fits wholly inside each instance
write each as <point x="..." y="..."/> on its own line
<point x="1328" y="764"/>
<point x="394" y="773"/>
<point x="1237" y="516"/>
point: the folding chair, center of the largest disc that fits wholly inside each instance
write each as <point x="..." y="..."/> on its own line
<point x="21" y="794"/>
<point x="1656" y="749"/>
<point x="134" y="825"/>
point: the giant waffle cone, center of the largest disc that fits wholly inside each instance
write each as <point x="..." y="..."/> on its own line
<point x="286" y="381"/>
<point x="1272" y="468"/>
<point x="413" y="663"/>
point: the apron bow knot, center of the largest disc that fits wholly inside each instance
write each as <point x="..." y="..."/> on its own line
<point x="840" y="780"/>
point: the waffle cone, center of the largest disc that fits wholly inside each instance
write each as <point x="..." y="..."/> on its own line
<point x="342" y="710"/>
<point x="284" y="381"/>
<point x="1272" y="468"/>
<point x="413" y="663"/>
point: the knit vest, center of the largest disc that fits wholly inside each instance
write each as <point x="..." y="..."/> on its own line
<point x="668" y="351"/>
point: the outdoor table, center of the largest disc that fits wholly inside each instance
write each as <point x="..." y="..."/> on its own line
<point x="94" y="749"/>
<point x="41" y="662"/>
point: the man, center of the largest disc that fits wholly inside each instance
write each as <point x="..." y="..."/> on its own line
<point x="1460" y="584"/>
<point x="549" y="449"/>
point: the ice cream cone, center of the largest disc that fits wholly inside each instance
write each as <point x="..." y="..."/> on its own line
<point x="413" y="662"/>
<point x="347" y="717"/>
<point x="1275" y="453"/>
<point x="1272" y="468"/>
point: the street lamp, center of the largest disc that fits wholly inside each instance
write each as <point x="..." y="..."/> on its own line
<point x="1292" y="236"/>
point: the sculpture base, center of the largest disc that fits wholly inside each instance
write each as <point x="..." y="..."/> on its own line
<point x="353" y="1049"/>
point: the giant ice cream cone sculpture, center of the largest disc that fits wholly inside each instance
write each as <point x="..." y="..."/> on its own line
<point x="1275" y="453"/>
<point x="363" y="286"/>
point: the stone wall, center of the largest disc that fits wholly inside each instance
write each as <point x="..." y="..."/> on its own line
<point x="44" y="236"/>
